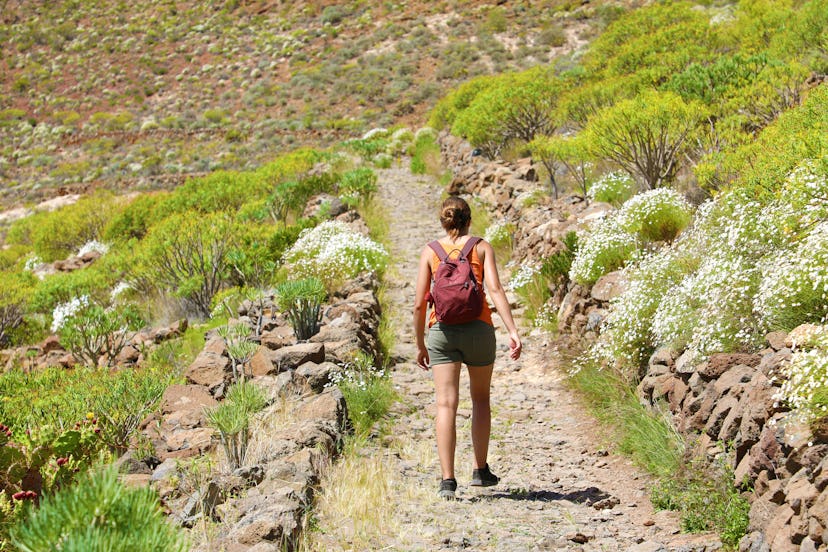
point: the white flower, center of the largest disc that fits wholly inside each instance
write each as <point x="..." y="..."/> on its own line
<point x="64" y="311"/>
<point x="93" y="245"/>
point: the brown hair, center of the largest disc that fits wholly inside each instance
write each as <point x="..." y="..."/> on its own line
<point x="455" y="216"/>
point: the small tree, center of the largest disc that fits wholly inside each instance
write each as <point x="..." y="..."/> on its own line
<point x="645" y="135"/>
<point x="15" y="288"/>
<point x="94" y="331"/>
<point x="572" y="152"/>
<point x="517" y="107"/>
<point x="188" y="255"/>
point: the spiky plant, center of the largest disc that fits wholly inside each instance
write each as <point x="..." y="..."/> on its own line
<point x="301" y="301"/>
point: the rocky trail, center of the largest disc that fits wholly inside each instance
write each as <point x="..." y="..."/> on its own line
<point x="560" y="487"/>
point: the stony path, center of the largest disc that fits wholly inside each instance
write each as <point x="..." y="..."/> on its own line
<point x="559" y="489"/>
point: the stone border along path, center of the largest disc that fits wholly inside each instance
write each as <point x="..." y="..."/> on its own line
<point x="559" y="490"/>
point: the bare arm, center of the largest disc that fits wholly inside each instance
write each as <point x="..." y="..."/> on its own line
<point x="421" y="306"/>
<point x="495" y="290"/>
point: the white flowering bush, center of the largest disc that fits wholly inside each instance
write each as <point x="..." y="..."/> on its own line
<point x="656" y="215"/>
<point x="499" y="234"/>
<point x="333" y="252"/>
<point x="626" y="340"/>
<point x="614" y="188"/>
<point x="794" y="287"/>
<point x="805" y="377"/>
<point x="523" y="276"/>
<point x="399" y="141"/>
<point x="377" y="132"/>
<point x="805" y="195"/>
<point x="608" y="247"/>
<point x="63" y="311"/>
<point x="94" y="245"/>
<point x="32" y="263"/>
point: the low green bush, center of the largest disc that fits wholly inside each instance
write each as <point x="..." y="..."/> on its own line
<point x="656" y="215"/>
<point x="93" y="331"/>
<point x="368" y="391"/>
<point x="614" y="188"/>
<point x="425" y="152"/>
<point x="705" y="496"/>
<point x="231" y="419"/>
<point x="358" y="186"/>
<point x="57" y="234"/>
<point x="301" y="302"/>
<point x="15" y="290"/>
<point x="99" y="513"/>
<point x="333" y="253"/>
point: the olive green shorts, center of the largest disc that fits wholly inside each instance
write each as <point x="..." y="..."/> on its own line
<point x="472" y="343"/>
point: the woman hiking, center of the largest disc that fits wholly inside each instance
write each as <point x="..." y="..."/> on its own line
<point x="452" y="344"/>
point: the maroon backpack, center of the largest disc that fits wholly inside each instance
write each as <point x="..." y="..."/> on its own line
<point x="455" y="293"/>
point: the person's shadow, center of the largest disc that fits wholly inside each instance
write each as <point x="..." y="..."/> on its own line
<point x="590" y="495"/>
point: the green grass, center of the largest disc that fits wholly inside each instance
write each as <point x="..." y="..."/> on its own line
<point x="702" y="491"/>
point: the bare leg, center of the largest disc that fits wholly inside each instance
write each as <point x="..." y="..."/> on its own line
<point x="446" y="384"/>
<point x="480" y="379"/>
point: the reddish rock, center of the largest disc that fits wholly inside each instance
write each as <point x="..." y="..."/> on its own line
<point x="800" y="493"/>
<point x="279" y="337"/>
<point x="260" y="364"/>
<point x="719" y="363"/>
<point x="776" y="340"/>
<point x="51" y="344"/>
<point x="185" y="397"/>
<point x="609" y="286"/>
<point x="293" y="356"/>
<point x="208" y="369"/>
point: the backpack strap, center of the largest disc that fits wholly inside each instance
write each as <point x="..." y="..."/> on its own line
<point x="441" y="253"/>
<point x="464" y="253"/>
<point x="470" y="243"/>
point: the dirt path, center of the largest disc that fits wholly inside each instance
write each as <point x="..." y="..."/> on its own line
<point x="559" y="489"/>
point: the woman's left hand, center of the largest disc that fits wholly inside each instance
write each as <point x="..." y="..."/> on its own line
<point x="515" y="346"/>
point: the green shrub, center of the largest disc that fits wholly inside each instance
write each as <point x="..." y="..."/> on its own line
<point x="301" y="302"/>
<point x="515" y="107"/>
<point x="99" y="513"/>
<point x="358" y="186"/>
<point x="92" y="331"/>
<point x="645" y="135"/>
<point x="425" y="154"/>
<point x="656" y="215"/>
<point x="15" y="290"/>
<point x="232" y="419"/>
<point x="135" y="218"/>
<point x="368" y="392"/>
<point x="57" y="234"/>
<point x="614" y="188"/>
<point x="333" y="253"/>
<point x="706" y="498"/>
<point x="63" y="287"/>
<point x="187" y="255"/>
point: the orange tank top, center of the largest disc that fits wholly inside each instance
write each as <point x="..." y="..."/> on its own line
<point x="477" y="270"/>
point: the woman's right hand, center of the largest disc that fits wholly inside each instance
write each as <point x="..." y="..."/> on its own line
<point x="422" y="358"/>
<point x="515" y="346"/>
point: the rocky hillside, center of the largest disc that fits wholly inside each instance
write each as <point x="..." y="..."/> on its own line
<point x="143" y="94"/>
